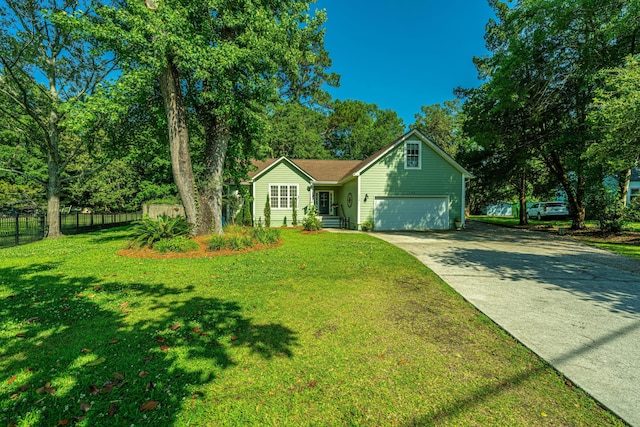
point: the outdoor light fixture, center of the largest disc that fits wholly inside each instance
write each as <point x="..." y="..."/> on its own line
<point x="366" y="197"/>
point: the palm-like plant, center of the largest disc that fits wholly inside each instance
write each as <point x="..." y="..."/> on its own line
<point x="147" y="231"/>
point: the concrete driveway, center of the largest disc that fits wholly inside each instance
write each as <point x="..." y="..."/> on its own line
<point x="577" y="307"/>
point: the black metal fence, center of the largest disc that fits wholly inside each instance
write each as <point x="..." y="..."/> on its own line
<point x="20" y="228"/>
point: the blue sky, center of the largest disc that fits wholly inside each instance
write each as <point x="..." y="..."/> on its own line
<point x="403" y="54"/>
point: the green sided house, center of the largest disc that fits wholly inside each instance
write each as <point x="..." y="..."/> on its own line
<point x="411" y="184"/>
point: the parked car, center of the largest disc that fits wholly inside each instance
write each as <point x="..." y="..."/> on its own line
<point x="541" y="210"/>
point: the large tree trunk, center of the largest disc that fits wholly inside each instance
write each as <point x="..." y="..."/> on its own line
<point x="623" y="185"/>
<point x="54" y="229"/>
<point x="179" y="142"/>
<point x="217" y="140"/>
<point x="575" y="195"/>
<point x="522" y="193"/>
<point x="54" y="186"/>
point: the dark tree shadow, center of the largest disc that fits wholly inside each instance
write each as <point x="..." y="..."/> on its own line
<point x="69" y="342"/>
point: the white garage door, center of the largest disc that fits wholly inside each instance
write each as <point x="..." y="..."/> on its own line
<point x="411" y="213"/>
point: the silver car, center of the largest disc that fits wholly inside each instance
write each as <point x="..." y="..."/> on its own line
<point x="540" y="210"/>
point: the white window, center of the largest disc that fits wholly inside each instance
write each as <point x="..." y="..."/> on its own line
<point x="282" y="195"/>
<point x="412" y="159"/>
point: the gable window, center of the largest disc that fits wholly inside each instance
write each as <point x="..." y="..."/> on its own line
<point x="281" y="195"/>
<point x="412" y="155"/>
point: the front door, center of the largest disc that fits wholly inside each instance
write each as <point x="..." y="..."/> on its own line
<point x="323" y="202"/>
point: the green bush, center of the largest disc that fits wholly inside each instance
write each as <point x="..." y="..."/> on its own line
<point x="608" y="210"/>
<point x="267" y="212"/>
<point x="237" y="238"/>
<point x="175" y="244"/>
<point x="147" y="231"/>
<point x="217" y="243"/>
<point x="266" y="236"/>
<point x="366" y="226"/>
<point x="294" y="212"/>
<point x="632" y="211"/>
<point x="239" y="242"/>
<point x="311" y="221"/>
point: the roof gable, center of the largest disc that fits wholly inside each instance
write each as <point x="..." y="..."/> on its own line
<point x="365" y="164"/>
<point x="263" y="166"/>
<point x="334" y="171"/>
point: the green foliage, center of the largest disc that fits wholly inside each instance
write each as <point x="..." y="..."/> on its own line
<point x="297" y="132"/>
<point x="311" y="222"/>
<point x="147" y="231"/>
<point x="238" y="242"/>
<point x="356" y="130"/>
<point x="20" y="196"/>
<point x="247" y="219"/>
<point x="442" y="125"/>
<point x="175" y="244"/>
<point x="266" y="236"/>
<point x="366" y="226"/>
<point x="616" y="118"/>
<point x="632" y="211"/>
<point x="217" y="243"/>
<point x="47" y="78"/>
<point x="267" y="212"/>
<point x="539" y="83"/>
<point x="237" y="238"/>
<point x="607" y="209"/>
<point x="294" y="211"/>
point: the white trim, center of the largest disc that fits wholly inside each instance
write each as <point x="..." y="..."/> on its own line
<point x="463" y="202"/>
<point x="419" y="145"/>
<point x="359" y="204"/>
<point x="253" y="194"/>
<point x="288" y="185"/>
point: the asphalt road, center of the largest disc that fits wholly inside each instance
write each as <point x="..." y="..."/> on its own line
<point x="576" y="306"/>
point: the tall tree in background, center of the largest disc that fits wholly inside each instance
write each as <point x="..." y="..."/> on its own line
<point x="297" y="132"/>
<point x="218" y="61"/>
<point x="357" y="130"/>
<point x="442" y="125"/>
<point x="615" y="115"/>
<point x="44" y="75"/>
<point x="544" y="57"/>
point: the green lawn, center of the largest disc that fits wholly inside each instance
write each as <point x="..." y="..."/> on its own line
<point x="326" y="329"/>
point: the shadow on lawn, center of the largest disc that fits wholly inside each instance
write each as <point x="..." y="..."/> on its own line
<point x="108" y="348"/>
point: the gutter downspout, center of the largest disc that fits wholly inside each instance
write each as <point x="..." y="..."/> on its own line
<point x="359" y="204"/>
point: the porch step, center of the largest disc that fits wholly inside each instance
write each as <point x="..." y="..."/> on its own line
<point x="330" y="221"/>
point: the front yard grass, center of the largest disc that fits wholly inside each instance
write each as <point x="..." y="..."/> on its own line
<point x="327" y="329"/>
<point x="626" y="242"/>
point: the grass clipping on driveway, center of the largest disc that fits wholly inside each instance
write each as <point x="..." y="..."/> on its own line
<point x="326" y="329"/>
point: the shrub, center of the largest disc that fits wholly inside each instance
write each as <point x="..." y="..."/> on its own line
<point x="366" y="226"/>
<point x="632" y="211"/>
<point x="294" y="213"/>
<point x="608" y="210"/>
<point x="267" y="212"/>
<point x="266" y="236"/>
<point x="175" y="244"/>
<point x="239" y="242"/>
<point x="247" y="219"/>
<point x="311" y="221"/>
<point x="217" y="243"/>
<point x="238" y="238"/>
<point x="147" y="231"/>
